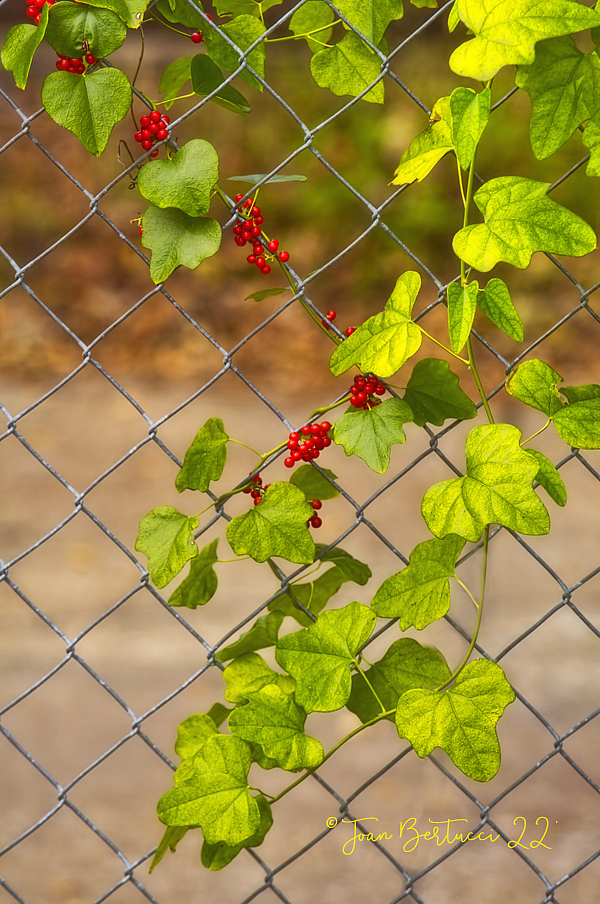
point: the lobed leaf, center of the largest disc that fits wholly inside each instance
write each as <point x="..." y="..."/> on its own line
<point x="244" y="30"/>
<point x="320" y="657"/>
<point x="349" y="67"/>
<point x="166" y="537"/>
<point x="549" y="478"/>
<point x="371" y="17"/>
<point x="428" y="148"/>
<point x="371" y="434"/>
<point x="535" y="383"/>
<point x="434" y="394"/>
<point x="462" y="304"/>
<point x="496" y="304"/>
<point x="248" y="673"/>
<point x="461" y="720"/>
<point x="420" y="593"/>
<point x="216" y="856"/>
<point x="177" y="239"/>
<point x="276" y="527"/>
<point x="21" y="43"/>
<point x="185" y="181"/>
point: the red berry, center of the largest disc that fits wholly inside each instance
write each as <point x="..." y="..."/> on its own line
<point x="331" y="315"/>
<point x="141" y="230"/>
<point x="62" y="64"/>
<point x="154" y="153"/>
<point x="153" y="127"/>
<point x="306" y="430"/>
<point x="256" y="494"/>
<point x="247" y="489"/>
<point x="74" y="61"/>
<point x="316" y="521"/>
<point x="284" y="256"/>
<point x="256" y="501"/>
<point x="166" y="118"/>
<point x="294" y="435"/>
<point x="326" y="441"/>
<point x="238" y="198"/>
<point x="315" y="428"/>
<point x="256" y="231"/>
<point x="144" y="122"/>
<point x="37" y="18"/>
<point x="289" y="462"/>
<point x="259" y="220"/>
<point x="316" y="504"/>
<point x="255" y="212"/>
<point x="360" y="381"/>
<point x="39" y="3"/>
<point x="196" y="37"/>
<point x="238" y="229"/>
<point x="361" y="397"/>
<point x="138" y="135"/>
<point x="162" y="134"/>
<point x="325" y="426"/>
<point x="319" y="442"/>
<point x="266" y="269"/>
<point x="273" y="245"/>
<point x="240" y="240"/>
<point x="296" y="454"/>
<point x="155" y="116"/>
<point x="380" y="389"/>
<point x="146" y="134"/>
<point x="32" y="11"/>
<point x="260" y="262"/>
<point x="355" y="401"/>
<point x="258" y="249"/>
<point x="292" y="443"/>
<point x="248" y="202"/>
<point x="350" y="330"/>
<point x="147" y="144"/>
<point x="90" y="59"/>
<point x="370" y="387"/>
<point x="251" y="259"/>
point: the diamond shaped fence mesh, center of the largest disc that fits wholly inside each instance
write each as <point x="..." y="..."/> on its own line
<point x="106" y="378"/>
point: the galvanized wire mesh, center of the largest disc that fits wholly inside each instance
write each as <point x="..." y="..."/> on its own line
<point x="544" y="586"/>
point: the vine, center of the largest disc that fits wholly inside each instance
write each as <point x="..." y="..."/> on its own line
<point x="321" y="664"/>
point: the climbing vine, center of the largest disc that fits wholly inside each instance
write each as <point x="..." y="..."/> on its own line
<point x="321" y="664"/>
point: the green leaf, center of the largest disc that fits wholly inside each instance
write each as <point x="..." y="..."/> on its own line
<point x="431" y="4"/>
<point x="258" y="177"/>
<point x="534" y="382"/>
<point x="217" y="798"/>
<point x="434" y="394"/>
<point x="320" y="657"/>
<point x="244" y="30"/>
<point x="420" y="593"/>
<point x="265" y="293"/>
<point x="192" y="735"/>
<point x="371" y="434"/>
<point x="371" y="17"/>
<point x="519" y="220"/>
<point x="453" y="17"/>
<point x="218" y="713"/>
<point x="166" y="537"/>
<point x="353" y="569"/>
<point x="564" y="86"/>
<point x="383" y="343"/>
<point x="72" y="26"/>
<point x="578" y="424"/>
<point x="216" y="856"/>
<point x="276" y="527"/>
<point x="180" y="12"/>
<point x="201" y="584"/>
<point x="591" y="140"/>
<point x="506" y="32"/>
<point x="348" y="67"/>
<point x="496" y="303"/>
<point x="405" y="665"/>
<point x="263" y="633"/>
<point x="549" y="478"/>
<point x="273" y="719"/>
<point x="87" y="105"/>
<point x="462" y="304"/>
<point x="497" y="489"/>
<point x="248" y="673"/>
<point x="315" y="14"/>
<point x="206" y="78"/>
<point x="20" y="45"/>
<point x="175" y="238"/>
<point x="170" y="839"/>
<point x="130" y="11"/>
<point x="461" y="720"/>
<point x="469" y="116"/>
<point x="313" y="484"/>
<point x="240" y="7"/>
<point x="205" y="459"/>
<point x="173" y="79"/>
<point x="185" y="181"/>
<point x="428" y="148"/>
<point x="581" y="393"/>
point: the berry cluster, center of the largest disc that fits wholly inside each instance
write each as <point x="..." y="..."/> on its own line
<point x="363" y="390"/>
<point x="76" y="66"/>
<point x="256" y="489"/>
<point x="249" y="229"/>
<point x="153" y="127"/>
<point x="34" y="10"/>
<point x="315" y="521"/>
<point x="308" y="443"/>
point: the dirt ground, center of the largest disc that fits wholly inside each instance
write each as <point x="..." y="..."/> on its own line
<point x="138" y="655"/>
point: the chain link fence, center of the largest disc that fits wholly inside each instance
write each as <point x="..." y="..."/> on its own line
<point x="100" y="669"/>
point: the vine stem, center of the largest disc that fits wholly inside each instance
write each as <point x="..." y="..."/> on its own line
<point x="329" y="753"/>
<point x="467" y="591"/>
<point x="449" y="350"/>
<point x="370" y="686"/>
<point x="307" y="34"/>
<point x="537" y="433"/>
<point x="456" y="672"/>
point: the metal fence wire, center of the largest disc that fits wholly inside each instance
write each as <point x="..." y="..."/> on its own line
<point x="85" y="759"/>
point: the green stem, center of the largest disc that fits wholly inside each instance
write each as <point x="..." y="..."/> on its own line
<point x="467" y="591"/>
<point x="185" y="34"/>
<point x="307" y="34"/>
<point x="450" y="352"/>
<point x="537" y="433"/>
<point x="475" y="373"/>
<point x="332" y="751"/>
<point x="372" y="689"/>
<point x="486" y="537"/>
<point x="246" y="446"/>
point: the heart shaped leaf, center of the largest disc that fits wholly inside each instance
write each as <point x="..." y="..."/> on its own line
<point x="21" y="43"/>
<point x="349" y="67"/>
<point x="177" y="239"/>
<point x="496" y="303"/>
<point x="72" y="26"/>
<point x="166" y="537"/>
<point x="216" y="856"/>
<point x="205" y="459"/>
<point x="201" y="584"/>
<point x="185" y="181"/>
<point x="276" y="527"/>
<point x="434" y="394"/>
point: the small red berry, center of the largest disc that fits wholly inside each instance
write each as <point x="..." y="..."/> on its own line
<point x="266" y="269"/>
<point x="138" y="135"/>
<point x="331" y="315"/>
<point x="144" y="122"/>
<point x="155" y="116"/>
<point x="306" y="431"/>
<point x="380" y="389"/>
<point x="39" y="3"/>
<point x="166" y="118"/>
<point x="350" y="330"/>
<point x="273" y="245"/>
<point x="289" y="462"/>
<point x="326" y="441"/>
<point x="247" y="489"/>
<point x="248" y="202"/>
<point x="154" y="153"/>
<point x="256" y="231"/>
<point x="296" y="454"/>
<point x="240" y="240"/>
<point x="196" y="37"/>
<point x="258" y="249"/>
<point x="325" y="426"/>
<point x="247" y="235"/>
<point x="259" y="220"/>
<point x="257" y="501"/>
<point x="75" y="61"/>
<point x="62" y="64"/>
<point x="260" y="262"/>
<point x="255" y="212"/>
<point x="162" y="134"/>
<point x="238" y="198"/>
<point x="32" y="11"/>
<point x="146" y="134"/>
<point x="147" y="144"/>
<point x="354" y="401"/>
<point x="90" y="59"/>
<point x="141" y="230"/>
<point x="294" y="435"/>
<point x="37" y="18"/>
<point x="284" y="256"/>
<point x="316" y="521"/>
<point x="316" y="504"/>
<point x="251" y="259"/>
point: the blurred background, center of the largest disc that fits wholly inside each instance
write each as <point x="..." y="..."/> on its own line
<point x="105" y="381"/>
